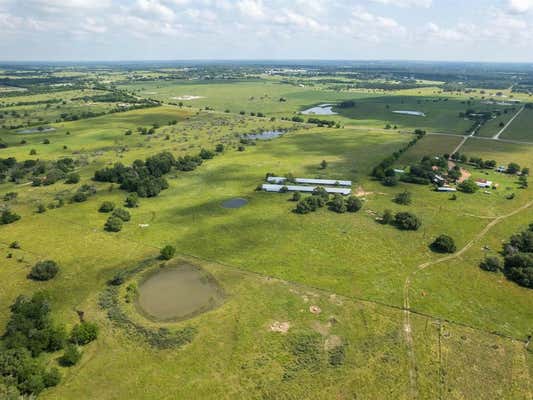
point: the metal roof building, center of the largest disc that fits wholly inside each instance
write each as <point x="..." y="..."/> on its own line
<point x="297" y="188"/>
<point x="281" y="179"/>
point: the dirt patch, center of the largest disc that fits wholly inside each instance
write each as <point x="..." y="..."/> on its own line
<point x="333" y="298"/>
<point x="187" y="97"/>
<point x="360" y="192"/>
<point x="315" y="309"/>
<point x="321" y="328"/>
<point x="464" y="175"/>
<point x="281" y="327"/>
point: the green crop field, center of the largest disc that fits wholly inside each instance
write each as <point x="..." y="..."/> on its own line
<point x="316" y="306"/>
<point x="520" y="128"/>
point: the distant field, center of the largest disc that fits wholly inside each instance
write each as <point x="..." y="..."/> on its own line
<point x="521" y="128"/>
<point x="493" y="126"/>
<point x="502" y="152"/>
<point x="427" y="146"/>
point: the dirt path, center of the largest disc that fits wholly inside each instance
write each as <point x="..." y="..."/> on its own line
<point x="406" y="305"/>
<point x="497" y="136"/>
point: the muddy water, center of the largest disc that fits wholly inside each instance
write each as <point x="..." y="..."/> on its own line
<point x="235" y="203"/>
<point x="177" y="293"/>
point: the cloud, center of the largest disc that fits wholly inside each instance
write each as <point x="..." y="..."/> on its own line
<point x="153" y="8"/>
<point x="405" y="3"/>
<point x="519" y="6"/>
<point x="251" y="8"/>
<point x="371" y="27"/>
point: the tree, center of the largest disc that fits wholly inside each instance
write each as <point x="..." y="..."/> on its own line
<point x="132" y="200"/>
<point x="167" y="252"/>
<point x="338" y="204"/>
<point x="387" y="217"/>
<point x="41" y="208"/>
<point x="106" y="207"/>
<point x="403" y="198"/>
<point x="206" y="154"/>
<point x="353" y="204"/>
<point x="113" y="224"/>
<point x="444" y="244"/>
<point x="124" y="215"/>
<point x="323" y="164"/>
<point x="219" y="148"/>
<point x="71" y="356"/>
<point x="84" y="333"/>
<point x="513" y="168"/>
<point x="296" y="196"/>
<point x="44" y="270"/>
<point x="390" y="181"/>
<point x="522" y="180"/>
<point x="407" y="221"/>
<point x="468" y="186"/>
<point x="491" y="264"/>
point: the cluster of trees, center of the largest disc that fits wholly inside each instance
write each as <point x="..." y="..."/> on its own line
<point x="146" y="177"/>
<point x="116" y="220"/>
<point x="323" y="122"/>
<point x="404" y="221"/>
<point x="321" y="198"/>
<point x="512" y="168"/>
<point x="384" y="171"/>
<point x="8" y="217"/>
<point x="30" y="332"/>
<point x="44" y="270"/>
<point x="83" y="193"/>
<point x="518" y="259"/>
<point x="40" y="172"/>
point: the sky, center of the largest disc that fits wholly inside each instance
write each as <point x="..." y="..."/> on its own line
<point x="104" y="30"/>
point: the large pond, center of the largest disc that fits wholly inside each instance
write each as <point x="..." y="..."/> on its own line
<point x="36" y="130"/>
<point x="266" y="135"/>
<point x="177" y="293"/>
<point x="322" y="109"/>
<point x="237" y="202"/>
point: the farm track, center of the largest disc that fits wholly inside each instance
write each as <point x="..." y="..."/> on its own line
<point x="497" y="136"/>
<point x="406" y="304"/>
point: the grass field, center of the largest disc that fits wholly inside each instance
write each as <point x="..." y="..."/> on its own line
<point x="521" y="127"/>
<point x="468" y="326"/>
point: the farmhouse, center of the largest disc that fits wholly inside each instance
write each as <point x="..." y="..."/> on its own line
<point x="483" y="183"/>
<point x="501" y="168"/>
<point x="299" y="188"/>
<point x="281" y="179"/>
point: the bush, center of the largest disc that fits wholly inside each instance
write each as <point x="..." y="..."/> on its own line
<point x="491" y="264"/>
<point x="44" y="270"/>
<point x="407" y="221"/>
<point x="219" y="148"/>
<point x="390" y="181"/>
<point x="72" y="178"/>
<point x="8" y="217"/>
<point x="113" y="224"/>
<point x="71" y="356"/>
<point x="132" y="200"/>
<point x="338" y="204"/>
<point x="519" y="268"/>
<point x="79" y="197"/>
<point x="296" y="196"/>
<point x="353" y="204"/>
<point x="167" y="252"/>
<point x="444" y="244"/>
<point x="106" y="206"/>
<point x="387" y="217"/>
<point x="124" y="215"/>
<point x="403" y="198"/>
<point x="84" y="333"/>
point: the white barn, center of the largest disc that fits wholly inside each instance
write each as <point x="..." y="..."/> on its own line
<point x="298" y="188"/>
<point x="309" y="181"/>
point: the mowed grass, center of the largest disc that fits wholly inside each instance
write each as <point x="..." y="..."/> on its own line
<point x="521" y="128"/>
<point x="502" y="152"/>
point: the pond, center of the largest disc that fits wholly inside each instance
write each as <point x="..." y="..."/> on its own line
<point x="414" y="113"/>
<point x="237" y="202"/>
<point x="322" y="109"/>
<point x="177" y="293"/>
<point x="36" y="130"/>
<point x="266" y="135"/>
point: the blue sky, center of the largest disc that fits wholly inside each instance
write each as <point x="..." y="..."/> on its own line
<point x="470" y="30"/>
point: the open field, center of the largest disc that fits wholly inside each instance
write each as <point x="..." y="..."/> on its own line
<point x="313" y="305"/>
<point x="521" y="127"/>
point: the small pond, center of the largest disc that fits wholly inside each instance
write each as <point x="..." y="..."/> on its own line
<point x="237" y="202"/>
<point x="266" y="135"/>
<point x="176" y="293"/>
<point x="323" y="109"/>
<point x="36" y="130"/>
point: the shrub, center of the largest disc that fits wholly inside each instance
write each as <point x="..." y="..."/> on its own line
<point x="407" y="221"/>
<point x="124" y="215"/>
<point x="403" y="198"/>
<point x="284" y="189"/>
<point x="387" y="217"/>
<point x="84" y="333"/>
<point x="72" y="178"/>
<point x="44" y="270"/>
<point x="14" y="245"/>
<point x="79" y="197"/>
<point x="444" y="244"/>
<point x="513" y="168"/>
<point x="167" y="252"/>
<point x="338" y="204"/>
<point x="323" y="164"/>
<point x="296" y="196"/>
<point x="206" y="154"/>
<point x="132" y="200"/>
<point x="106" y="206"/>
<point x="52" y="378"/>
<point x="519" y="268"/>
<point x="71" y="356"/>
<point x="491" y="264"/>
<point x="390" y="181"/>
<point x="219" y="148"/>
<point x="113" y="224"/>
<point x="353" y="204"/>
<point x="8" y="217"/>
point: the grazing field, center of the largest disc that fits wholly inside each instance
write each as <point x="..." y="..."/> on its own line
<point x="292" y="306"/>
<point x="521" y="127"/>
